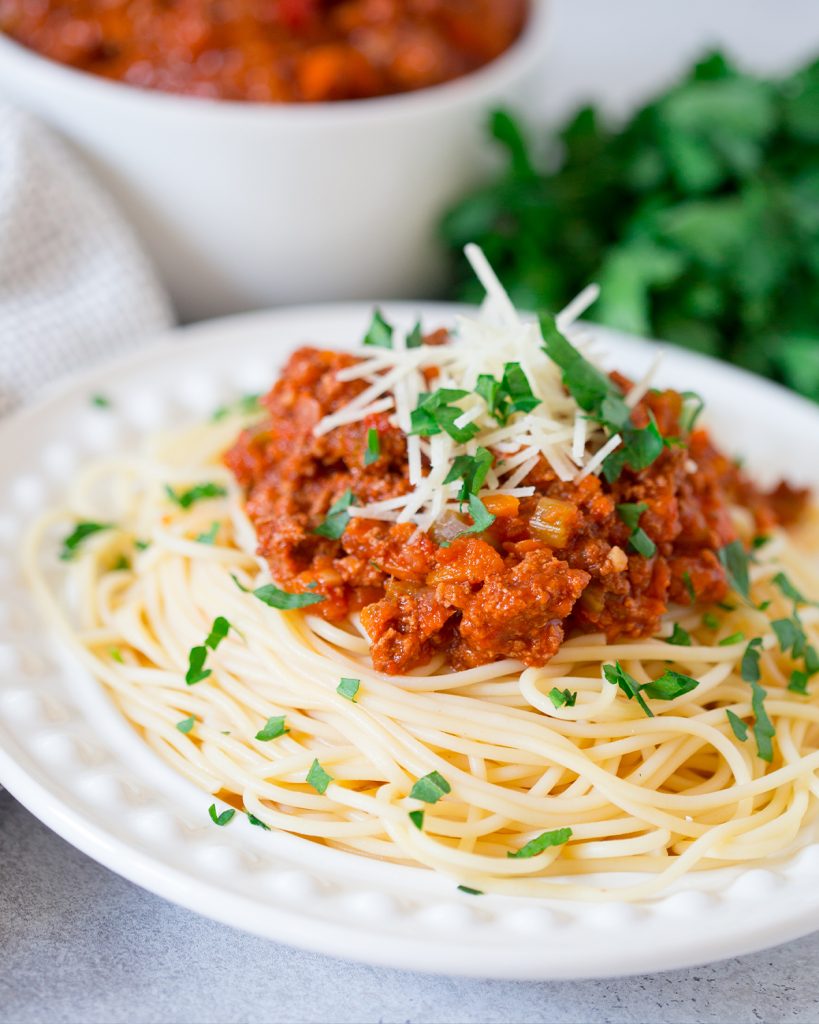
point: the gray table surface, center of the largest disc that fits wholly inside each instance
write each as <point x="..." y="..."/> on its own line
<point x="80" y="944"/>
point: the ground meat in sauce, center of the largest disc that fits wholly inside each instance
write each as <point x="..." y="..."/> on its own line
<point x="550" y="565"/>
<point x="281" y="51"/>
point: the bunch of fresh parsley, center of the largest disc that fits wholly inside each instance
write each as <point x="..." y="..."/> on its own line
<point x="699" y="218"/>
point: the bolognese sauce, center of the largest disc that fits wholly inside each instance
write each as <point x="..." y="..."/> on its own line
<point x="564" y="560"/>
<point x="301" y="51"/>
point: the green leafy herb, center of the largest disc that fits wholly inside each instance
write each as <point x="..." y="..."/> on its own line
<point x="318" y="778"/>
<point x="430" y="788"/>
<point x="116" y="655"/>
<point x="101" y="401"/>
<point x="557" y="837"/>
<point x="247" y="404"/>
<point x="562" y="698"/>
<point x="642" y="543"/>
<point x="257" y="821"/>
<point x="415" y="338"/>
<point x="630" y="513"/>
<point x="693" y="404"/>
<point x="790" y="591"/>
<point x="186" y="724"/>
<point x="679" y="636"/>
<point x="220" y="819"/>
<point x="513" y="393"/>
<point x="80" y="533"/>
<point x="710" y="621"/>
<point x="218" y="631"/>
<point x="759" y="541"/>
<point x="798" y="682"/>
<point x="670" y="685"/>
<point x="196" y="666"/>
<point x="201" y="492"/>
<point x="417" y="818"/>
<point x="348" y="688"/>
<point x="142" y="545"/>
<point x="272" y="729"/>
<point x="275" y="597"/>
<point x="729" y="641"/>
<point x="618" y="676"/>
<point x="739" y="728"/>
<point x="210" y="536"/>
<point x="379" y="333"/>
<point x="734" y="560"/>
<point x="121" y="564"/>
<point x="470" y="892"/>
<point x="436" y="414"/>
<point x="373" y="452"/>
<point x="689" y="587"/>
<point x="337" y="518"/>
<point x="763" y="728"/>
<point x="472" y="469"/>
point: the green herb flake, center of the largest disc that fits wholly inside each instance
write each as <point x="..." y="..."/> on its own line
<point x="220" y="819"/>
<point x="790" y="591"/>
<point x="142" y="545"/>
<point x="196" y="666"/>
<point x="435" y="414"/>
<point x="201" y="492"/>
<point x="679" y="637"/>
<point x="116" y="655"/>
<point x="642" y="543"/>
<point x="670" y="685"/>
<point x="430" y="788"/>
<point x="472" y="470"/>
<point x="470" y="892"/>
<point x="348" y="688"/>
<point x="710" y="621"/>
<point x="373" y="452"/>
<point x="80" y="533"/>
<point x="630" y="513"/>
<point x="275" y="597"/>
<point x="729" y="641"/>
<point x="617" y="676"/>
<point x="738" y="727"/>
<point x="218" y="631"/>
<point x="257" y="821"/>
<point x="415" y="338"/>
<point x="734" y="560"/>
<point x="689" y="587"/>
<point x="557" y="837"/>
<point x="763" y="728"/>
<point x="513" y="393"/>
<point x="318" y="778"/>
<point x="272" y="729"/>
<point x="379" y="333"/>
<point x="798" y="682"/>
<point x="562" y="698"/>
<point x="482" y="518"/>
<point x="417" y="818"/>
<point x="209" y="537"/>
<point x="101" y="401"/>
<point x="337" y="518"/>
<point x="186" y="724"/>
<point x="122" y="564"/>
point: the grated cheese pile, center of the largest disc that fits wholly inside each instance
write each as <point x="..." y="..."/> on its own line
<point x="557" y="428"/>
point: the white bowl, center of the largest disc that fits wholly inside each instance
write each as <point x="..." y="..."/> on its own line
<point x="247" y="205"/>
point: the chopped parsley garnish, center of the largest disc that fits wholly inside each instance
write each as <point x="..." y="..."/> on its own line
<point x="116" y="655"/>
<point x="470" y="892"/>
<point x="710" y="620"/>
<point x="318" y="778"/>
<point x="435" y="414"/>
<point x="337" y="518"/>
<point x="759" y="542"/>
<point x="562" y="698"/>
<point x="482" y="518"/>
<point x="763" y="729"/>
<point x="196" y="666"/>
<point x="679" y="637"/>
<point x="472" y="470"/>
<point x="667" y="687"/>
<point x="557" y="837"/>
<point x="693" y="404"/>
<point x="600" y="397"/>
<point x="272" y="729"/>
<point x="220" y="819"/>
<point x="122" y="563"/>
<point x="246" y="404"/>
<point x="790" y="591"/>
<point x="415" y="338"/>
<point x="218" y="631"/>
<point x="348" y="688"/>
<point x="78" y="535"/>
<point x="379" y="333"/>
<point x="257" y="821"/>
<point x="739" y="728"/>
<point x="142" y="545"/>
<point x="430" y="788"/>
<point x="689" y="587"/>
<point x="798" y="682"/>
<point x="630" y="513"/>
<point x="101" y="401"/>
<point x="618" y="676"/>
<point x="373" y="452"/>
<point x="670" y="685"/>
<point x="210" y="536"/>
<point x="511" y="394"/>
<point x="417" y="818"/>
<point x="734" y="560"/>
<point x="734" y="638"/>
<point x="186" y="724"/>
<point x="275" y="597"/>
<point x="201" y="492"/>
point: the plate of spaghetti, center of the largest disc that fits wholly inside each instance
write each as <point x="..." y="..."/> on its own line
<point x="445" y="638"/>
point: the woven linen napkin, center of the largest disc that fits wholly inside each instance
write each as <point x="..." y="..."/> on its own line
<point x="74" y="284"/>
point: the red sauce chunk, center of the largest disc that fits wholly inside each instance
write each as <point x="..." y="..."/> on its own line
<point x="554" y="564"/>
<point x="300" y="51"/>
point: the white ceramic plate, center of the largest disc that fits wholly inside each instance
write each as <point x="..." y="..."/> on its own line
<point x="75" y="763"/>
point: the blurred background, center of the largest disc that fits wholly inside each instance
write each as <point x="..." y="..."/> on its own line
<point x="668" y="151"/>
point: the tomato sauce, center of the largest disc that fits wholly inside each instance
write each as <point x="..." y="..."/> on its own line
<point x="299" y="51"/>
<point x="556" y="563"/>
